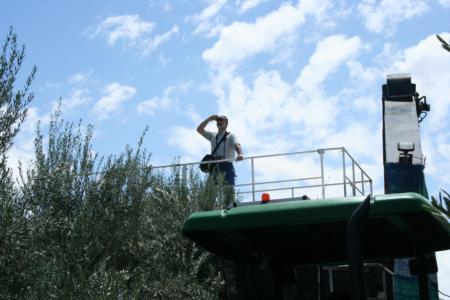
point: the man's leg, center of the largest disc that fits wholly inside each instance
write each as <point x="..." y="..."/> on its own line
<point x="228" y="169"/>
<point x="212" y="187"/>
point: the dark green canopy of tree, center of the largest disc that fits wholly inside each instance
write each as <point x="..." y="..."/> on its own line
<point x="80" y="226"/>
<point x="444" y="44"/>
<point x="442" y="202"/>
<point x="13" y="103"/>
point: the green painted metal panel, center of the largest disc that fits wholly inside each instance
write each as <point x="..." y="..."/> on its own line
<point x="314" y="231"/>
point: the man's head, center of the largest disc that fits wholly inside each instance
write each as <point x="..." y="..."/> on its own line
<point x="222" y="123"/>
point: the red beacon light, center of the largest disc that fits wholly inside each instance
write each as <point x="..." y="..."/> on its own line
<point x="265" y="198"/>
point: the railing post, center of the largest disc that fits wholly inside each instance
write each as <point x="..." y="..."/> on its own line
<point x="353" y="177"/>
<point x="322" y="175"/>
<point x="362" y="182"/>
<point x="343" y="170"/>
<point x="253" y="179"/>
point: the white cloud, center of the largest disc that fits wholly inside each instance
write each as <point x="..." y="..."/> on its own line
<point x="21" y="153"/>
<point x="128" y="28"/>
<point x="210" y="11"/>
<point x="33" y="117"/>
<point x="77" y="89"/>
<point x="270" y="115"/>
<point x="23" y="148"/>
<point x="132" y="32"/>
<point x="241" y="40"/>
<point x="359" y="72"/>
<point x="168" y="101"/>
<point x="429" y="64"/>
<point x="151" y="44"/>
<point x="50" y="85"/>
<point x="192" y="145"/>
<point x="148" y="107"/>
<point x="329" y="55"/>
<point x="246" y="5"/>
<point x="430" y="153"/>
<point x="264" y="114"/>
<point x="269" y="91"/>
<point x="329" y="14"/>
<point x="366" y="104"/>
<point x="78" y="78"/>
<point x="435" y="149"/>
<point x="384" y="15"/>
<point x="164" y="61"/>
<point x="115" y="94"/>
<point x="389" y="54"/>
<point x="165" y="5"/>
<point x="250" y="111"/>
<point x="445" y="3"/>
<point x="208" y="20"/>
<point x="352" y="135"/>
<point x="193" y="114"/>
<point x="76" y="98"/>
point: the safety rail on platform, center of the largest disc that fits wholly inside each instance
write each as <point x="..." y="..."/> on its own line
<point x="353" y="178"/>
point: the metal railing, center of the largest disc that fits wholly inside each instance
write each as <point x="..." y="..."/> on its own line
<point x="354" y="179"/>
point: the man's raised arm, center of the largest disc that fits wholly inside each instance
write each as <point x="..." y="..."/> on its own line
<point x="201" y="127"/>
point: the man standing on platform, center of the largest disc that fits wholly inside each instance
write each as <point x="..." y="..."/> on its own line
<point x="228" y="145"/>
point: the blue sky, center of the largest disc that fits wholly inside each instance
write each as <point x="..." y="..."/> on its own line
<point x="291" y="76"/>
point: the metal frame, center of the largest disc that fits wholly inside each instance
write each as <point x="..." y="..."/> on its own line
<point x="382" y="267"/>
<point x="356" y="185"/>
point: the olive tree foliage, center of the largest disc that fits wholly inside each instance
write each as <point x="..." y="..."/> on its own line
<point x="444" y="43"/>
<point x="13" y="110"/>
<point x="13" y="102"/>
<point x="442" y="202"/>
<point x="82" y="226"/>
<point x="108" y="227"/>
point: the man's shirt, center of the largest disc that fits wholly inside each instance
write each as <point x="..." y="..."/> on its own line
<point x="226" y="148"/>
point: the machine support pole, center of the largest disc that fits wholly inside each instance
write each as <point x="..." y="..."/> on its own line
<point x="354" y="248"/>
<point x="422" y="278"/>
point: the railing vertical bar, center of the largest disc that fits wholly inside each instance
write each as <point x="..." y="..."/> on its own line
<point x="353" y="177"/>
<point x="253" y="179"/>
<point x="322" y="175"/>
<point x="362" y="181"/>
<point x="343" y="170"/>
<point x="292" y="194"/>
